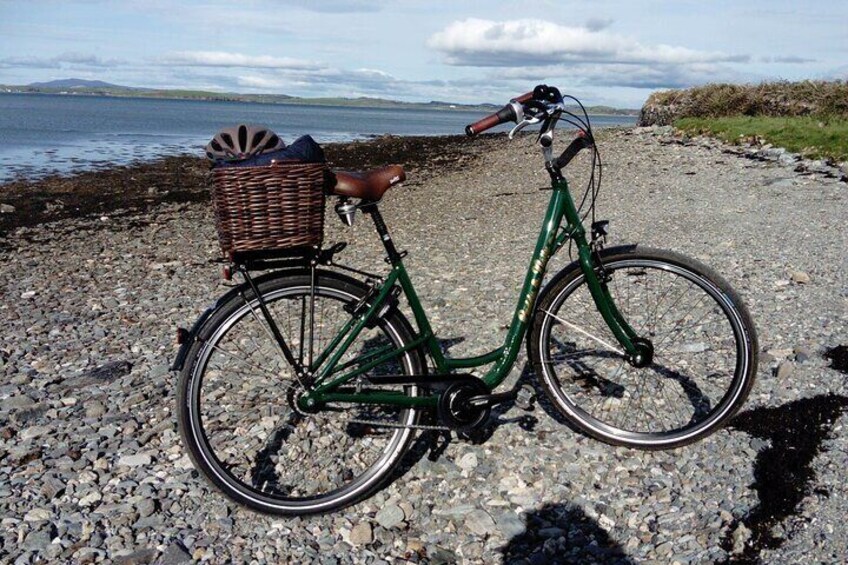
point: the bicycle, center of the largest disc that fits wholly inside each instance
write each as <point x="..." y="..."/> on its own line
<point x="301" y="389"/>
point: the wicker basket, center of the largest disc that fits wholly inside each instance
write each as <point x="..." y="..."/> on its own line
<point x="279" y="207"/>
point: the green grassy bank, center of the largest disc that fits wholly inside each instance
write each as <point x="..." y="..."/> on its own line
<point x="813" y="137"/>
<point x="806" y="117"/>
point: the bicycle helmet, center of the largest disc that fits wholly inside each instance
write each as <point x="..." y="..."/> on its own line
<point x="242" y="142"/>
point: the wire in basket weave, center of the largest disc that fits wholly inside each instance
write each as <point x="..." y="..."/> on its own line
<point x="269" y="208"/>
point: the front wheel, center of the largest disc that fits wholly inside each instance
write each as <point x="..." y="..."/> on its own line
<point x="704" y="350"/>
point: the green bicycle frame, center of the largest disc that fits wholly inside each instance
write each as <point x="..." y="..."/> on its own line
<point x="330" y="377"/>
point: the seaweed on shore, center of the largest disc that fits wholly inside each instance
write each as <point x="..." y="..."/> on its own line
<point x="141" y="187"/>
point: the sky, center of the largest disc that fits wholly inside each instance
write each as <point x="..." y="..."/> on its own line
<point x="611" y="52"/>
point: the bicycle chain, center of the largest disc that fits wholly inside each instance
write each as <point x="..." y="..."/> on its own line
<point x="405" y="426"/>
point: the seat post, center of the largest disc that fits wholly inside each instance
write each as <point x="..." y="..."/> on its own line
<point x="383" y="231"/>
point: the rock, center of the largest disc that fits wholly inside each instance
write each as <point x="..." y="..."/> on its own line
<point x="7" y="209"/>
<point x="37" y="515"/>
<point x="788" y="159"/>
<point x="802" y="354"/>
<point x="442" y="556"/>
<point x="510" y="525"/>
<point x="33" y="432"/>
<point x="468" y="461"/>
<point x="361" y="534"/>
<point x="136" y="460"/>
<point x="165" y="265"/>
<point x="146" y="507"/>
<point x="139" y="557"/>
<point x="480" y="522"/>
<point x="87" y="555"/>
<point x="800" y="277"/>
<point x="606" y="522"/>
<point x="39" y="539"/>
<point x="740" y="537"/>
<point x="16" y="403"/>
<point x="174" y="554"/>
<point x="94" y="409"/>
<point x="28" y="294"/>
<point x="390" y="516"/>
<point x="415" y="547"/>
<point x="90" y="499"/>
<point x="784" y="370"/>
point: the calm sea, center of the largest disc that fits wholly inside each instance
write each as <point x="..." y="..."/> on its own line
<point x="45" y="134"/>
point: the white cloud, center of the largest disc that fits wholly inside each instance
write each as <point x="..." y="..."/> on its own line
<point x="224" y="59"/>
<point x="62" y="61"/>
<point x="481" y="43"/>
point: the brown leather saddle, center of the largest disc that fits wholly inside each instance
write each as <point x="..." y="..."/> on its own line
<point x="368" y="185"/>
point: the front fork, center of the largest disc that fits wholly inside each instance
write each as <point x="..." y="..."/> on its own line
<point x="639" y="351"/>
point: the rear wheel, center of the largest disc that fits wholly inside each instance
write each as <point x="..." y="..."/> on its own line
<point x="237" y="402"/>
<point x="700" y="335"/>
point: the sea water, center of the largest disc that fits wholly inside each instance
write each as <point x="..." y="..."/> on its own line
<point x="43" y="134"/>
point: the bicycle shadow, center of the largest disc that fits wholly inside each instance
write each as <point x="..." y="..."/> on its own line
<point x="563" y="534"/>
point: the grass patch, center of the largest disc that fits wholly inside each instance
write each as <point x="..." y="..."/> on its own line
<point x="815" y="138"/>
<point x="805" y="98"/>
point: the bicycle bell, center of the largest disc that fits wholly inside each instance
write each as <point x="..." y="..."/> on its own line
<point x="346" y="211"/>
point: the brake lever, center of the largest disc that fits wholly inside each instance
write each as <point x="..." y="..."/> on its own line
<point x="527" y="121"/>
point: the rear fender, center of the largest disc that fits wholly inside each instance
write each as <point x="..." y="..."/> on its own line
<point x="194" y="334"/>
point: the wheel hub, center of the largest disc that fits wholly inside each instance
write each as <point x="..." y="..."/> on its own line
<point x="644" y="355"/>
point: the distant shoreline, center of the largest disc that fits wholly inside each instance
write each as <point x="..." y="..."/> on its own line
<point x="271" y="99"/>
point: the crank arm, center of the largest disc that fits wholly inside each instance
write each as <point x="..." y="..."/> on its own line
<point x="489" y="400"/>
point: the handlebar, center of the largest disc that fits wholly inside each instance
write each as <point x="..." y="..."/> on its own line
<point x="506" y="114"/>
<point x="543" y="105"/>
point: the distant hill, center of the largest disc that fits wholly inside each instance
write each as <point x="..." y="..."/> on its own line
<point x="80" y="87"/>
<point x="75" y="83"/>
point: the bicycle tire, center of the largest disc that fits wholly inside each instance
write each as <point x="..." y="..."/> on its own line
<point x="271" y="457"/>
<point x="696" y="382"/>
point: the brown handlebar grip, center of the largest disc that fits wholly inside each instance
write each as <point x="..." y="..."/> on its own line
<point x="480" y="126"/>
<point x="505" y="114"/>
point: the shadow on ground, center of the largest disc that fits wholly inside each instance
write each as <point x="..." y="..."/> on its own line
<point x="562" y="533"/>
<point x="783" y="472"/>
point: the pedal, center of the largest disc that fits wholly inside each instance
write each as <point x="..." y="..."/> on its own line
<point x="526" y="399"/>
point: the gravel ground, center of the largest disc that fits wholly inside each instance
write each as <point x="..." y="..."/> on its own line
<point x="92" y="470"/>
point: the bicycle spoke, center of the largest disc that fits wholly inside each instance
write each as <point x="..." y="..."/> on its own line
<point x="584" y="332"/>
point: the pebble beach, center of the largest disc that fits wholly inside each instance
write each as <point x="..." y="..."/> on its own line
<point x="101" y="268"/>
